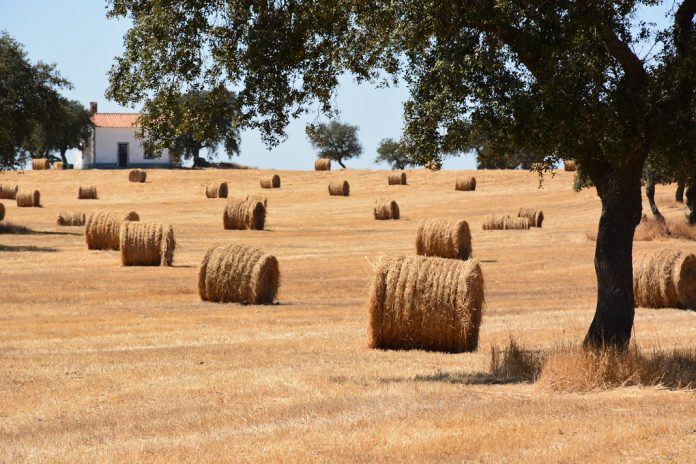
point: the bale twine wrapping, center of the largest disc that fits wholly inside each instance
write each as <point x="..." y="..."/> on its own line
<point x="137" y="175"/>
<point x="29" y="199"/>
<point x="40" y="164"/>
<point x="386" y="209"/>
<point x="444" y="238"/>
<point x="216" y="190"/>
<point x="102" y="228"/>
<point x="569" y="165"/>
<point x="238" y="273"/>
<point x="465" y="184"/>
<point x="535" y="216"/>
<point x="339" y="188"/>
<point x="71" y="219"/>
<point x="8" y="192"/>
<point x="426" y="303"/>
<point x="322" y="164"/>
<point x="58" y="165"/>
<point x="493" y="222"/>
<point x="271" y="182"/>
<point x="397" y="179"/>
<point x="2" y="211"/>
<point x="87" y="193"/>
<point x="664" y="279"/>
<point x="260" y="198"/>
<point x="146" y="244"/>
<point x="244" y="214"/>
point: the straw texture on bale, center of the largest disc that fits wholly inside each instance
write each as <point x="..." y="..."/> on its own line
<point x="386" y="209"/>
<point x="433" y="166"/>
<point x="58" y="165"/>
<point x="146" y="244"/>
<point x="444" y="238"/>
<point x="260" y="198"/>
<point x="8" y="192"/>
<point x="493" y="222"/>
<point x="271" y="182"/>
<point x="322" y="164"/>
<point x="137" y="175"/>
<point x="29" y="199"/>
<point x="664" y="279"/>
<point x="397" y="179"/>
<point x="426" y="303"/>
<point x="216" y="190"/>
<point x="535" y="216"/>
<point x="2" y="211"/>
<point x="238" y="273"/>
<point x="244" y="214"/>
<point x="339" y="188"/>
<point x="87" y="193"/>
<point x="569" y="165"/>
<point x="40" y="164"/>
<point x="103" y="227"/>
<point x="71" y="219"/>
<point x="466" y="184"/>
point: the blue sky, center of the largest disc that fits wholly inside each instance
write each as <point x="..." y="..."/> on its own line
<point x="77" y="36"/>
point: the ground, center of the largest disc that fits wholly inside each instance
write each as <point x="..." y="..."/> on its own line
<point x="106" y="363"/>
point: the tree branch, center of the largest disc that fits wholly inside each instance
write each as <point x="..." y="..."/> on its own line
<point x="631" y="64"/>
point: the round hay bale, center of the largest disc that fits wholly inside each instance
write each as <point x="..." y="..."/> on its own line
<point x="216" y="190"/>
<point x="322" y="164"/>
<point x="426" y="303"/>
<point x="244" y="214"/>
<point x="2" y="211"/>
<point x="87" y="193"/>
<point x="8" y="192"/>
<point x="29" y="199"/>
<point x="238" y="273"/>
<point x="664" y="279"/>
<point x="444" y="238"/>
<point x="102" y="228"/>
<point x="58" y="165"/>
<point x="535" y="216"/>
<point x="397" y="179"/>
<point x="137" y="175"/>
<point x="433" y="165"/>
<point x="339" y="188"/>
<point x="493" y="222"/>
<point x="569" y="165"/>
<point x="386" y="209"/>
<point x="260" y="198"/>
<point x="271" y="182"/>
<point x="465" y="184"/>
<point x="71" y="219"/>
<point x="146" y="244"/>
<point x="40" y="164"/>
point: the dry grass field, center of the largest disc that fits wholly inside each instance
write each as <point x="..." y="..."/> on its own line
<point x="123" y="364"/>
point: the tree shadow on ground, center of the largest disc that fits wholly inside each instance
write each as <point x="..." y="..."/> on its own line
<point x="14" y="229"/>
<point x="21" y="248"/>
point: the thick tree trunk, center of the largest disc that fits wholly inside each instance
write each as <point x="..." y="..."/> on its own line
<point x="197" y="160"/>
<point x="679" y="195"/>
<point x="340" y="161"/>
<point x="63" y="157"/>
<point x="691" y="202"/>
<point x="650" y="193"/>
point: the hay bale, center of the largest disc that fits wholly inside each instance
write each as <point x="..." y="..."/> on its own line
<point x="58" y="165"/>
<point x="271" y="182"/>
<point x="87" y="193"/>
<point x="137" y="175"/>
<point x="244" y="214"/>
<point x="260" y="198"/>
<point x="397" y="179"/>
<point x="146" y="244"/>
<point x="2" y="211"/>
<point x="28" y="199"/>
<point x="444" y="238"/>
<point x="40" y="164"/>
<point x="465" y="184"/>
<point x="216" y="190"/>
<point x="386" y="209"/>
<point x="433" y="165"/>
<point x="322" y="164"/>
<point x="71" y="219"/>
<point x="102" y="228"/>
<point x="339" y="188"/>
<point x="493" y="222"/>
<point x="569" y="165"/>
<point x="8" y="192"/>
<point x="535" y="216"/>
<point x="426" y="303"/>
<point x="238" y="273"/>
<point x="664" y="279"/>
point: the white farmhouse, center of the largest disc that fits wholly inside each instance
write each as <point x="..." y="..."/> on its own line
<point x="114" y="144"/>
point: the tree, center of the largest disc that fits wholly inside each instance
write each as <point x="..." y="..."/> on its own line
<point x="336" y="141"/>
<point x="559" y="80"/>
<point x="393" y="153"/>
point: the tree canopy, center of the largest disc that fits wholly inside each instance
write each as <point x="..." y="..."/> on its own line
<point x="393" y="153"/>
<point x="336" y="141"/>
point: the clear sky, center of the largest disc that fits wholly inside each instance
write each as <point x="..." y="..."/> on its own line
<point x="77" y="36"/>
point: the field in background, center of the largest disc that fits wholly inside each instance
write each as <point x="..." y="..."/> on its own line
<point x="101" y="362"/>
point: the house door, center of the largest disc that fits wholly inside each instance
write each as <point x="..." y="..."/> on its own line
<point x="122" y="155"/>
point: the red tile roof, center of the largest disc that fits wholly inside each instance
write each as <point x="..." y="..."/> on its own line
<point x="124" y="120"/>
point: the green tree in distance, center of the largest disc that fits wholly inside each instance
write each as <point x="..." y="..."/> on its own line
<point x="393" y="153"/>
<point x="336" y="141"/>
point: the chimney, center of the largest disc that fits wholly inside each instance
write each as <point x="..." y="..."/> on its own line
<point x="93" y="107"/>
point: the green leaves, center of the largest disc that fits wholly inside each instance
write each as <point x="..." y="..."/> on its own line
<point x="336" y="141"/>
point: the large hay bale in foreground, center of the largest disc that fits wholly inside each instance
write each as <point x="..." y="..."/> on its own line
<point x="146" y="244"/>
<point x="339" y="188"/>
<point x="238" y="273"/>
<point x="535" y="216"/>
<point x="386" y="209"/>
<point x="569" y="165"/>
<point x="322" y="164"/>
<point x="244" y="214"/>
<point x="216" y="190"/>
<point x="397" y="179"/>
<point x="494" y="222"/>
<point x="58" y="165"/>
<point x="260" y="198"/>
<point x="87" y="193"/>
<point x="40" y="164"/>
<point x="103" y="227"/>
<point x="8" y="192"/>
<point x="137" y="175"/>
<point x="465" y="184"/>
<point x="29" y="199"/>
<point x="2" y="211"/>
<point x="664" y="279"/>
<point x="426" y="303"/>
<point x="444" y="238"/>
<point x="271" y="182"/>
<point x="71" y="219"/>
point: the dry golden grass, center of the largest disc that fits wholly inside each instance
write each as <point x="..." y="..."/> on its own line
<point x="106" y="363"/>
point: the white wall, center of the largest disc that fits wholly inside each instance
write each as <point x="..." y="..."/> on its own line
<point x="106" y="140"/>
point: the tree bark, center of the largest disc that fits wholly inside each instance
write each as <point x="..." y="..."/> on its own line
<point x="340" y="161"/>
<point x="650" y="193"/>
<point x="197" y="160"/>
<point x="691" y="202"/>
<point x="63" y="157"/>
<point x="679" y="195"/>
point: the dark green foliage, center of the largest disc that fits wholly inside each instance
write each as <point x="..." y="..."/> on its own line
<point x="394" y="154"/>
<point x="336" y="141"/>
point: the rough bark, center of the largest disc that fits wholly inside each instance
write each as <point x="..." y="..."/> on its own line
<point x="340" y="161"/>
<point x="197" y="160"/>
<point x="63" y="157"/>
<point x="650" y="193"/>
<point x="691" y="202"/>
<point x="679" y="195"/>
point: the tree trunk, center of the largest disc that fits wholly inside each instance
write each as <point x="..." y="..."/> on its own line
<point x="340" y="161"/>
<point x="197" y="161"/>
<point x="650" y="193"/>
<point x="691" y="202"/>
<point x="63" y="157"/>
<point x="679" y="196"/>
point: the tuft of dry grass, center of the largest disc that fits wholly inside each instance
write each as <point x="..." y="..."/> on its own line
<point x="514" y="364"/>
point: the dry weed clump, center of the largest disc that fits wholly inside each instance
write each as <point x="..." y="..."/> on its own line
<point x="681" y="230"/>
<point x="30" y="199"/>
<point x="102" y="228"/>
<point x="664" y="279"/>
<point x="137" y="175"/>
<point x="216" y="190"/>
<point x="386" y="209"/>
<point x="444" y="238"/>
<point x="465" y="184"/>
<point x="339" y="188"/>
<point x="426" y="303"/>
<point x="145" y="244"/>
<point x="397" y="179"/>
<point x="8" y="192"/>
<point x="514" y="364"/>
<point x="494" y="222"/>
<point x="535" y="216"/>
<point x="322" y="164"/>
<point x="271" y="182"/>
<point x="244" y="214"/>
<point x="87" y="193"/>
<point x="71" y="219"/>
<point x="40" y="164"/>
<point x="569" y="165"/>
